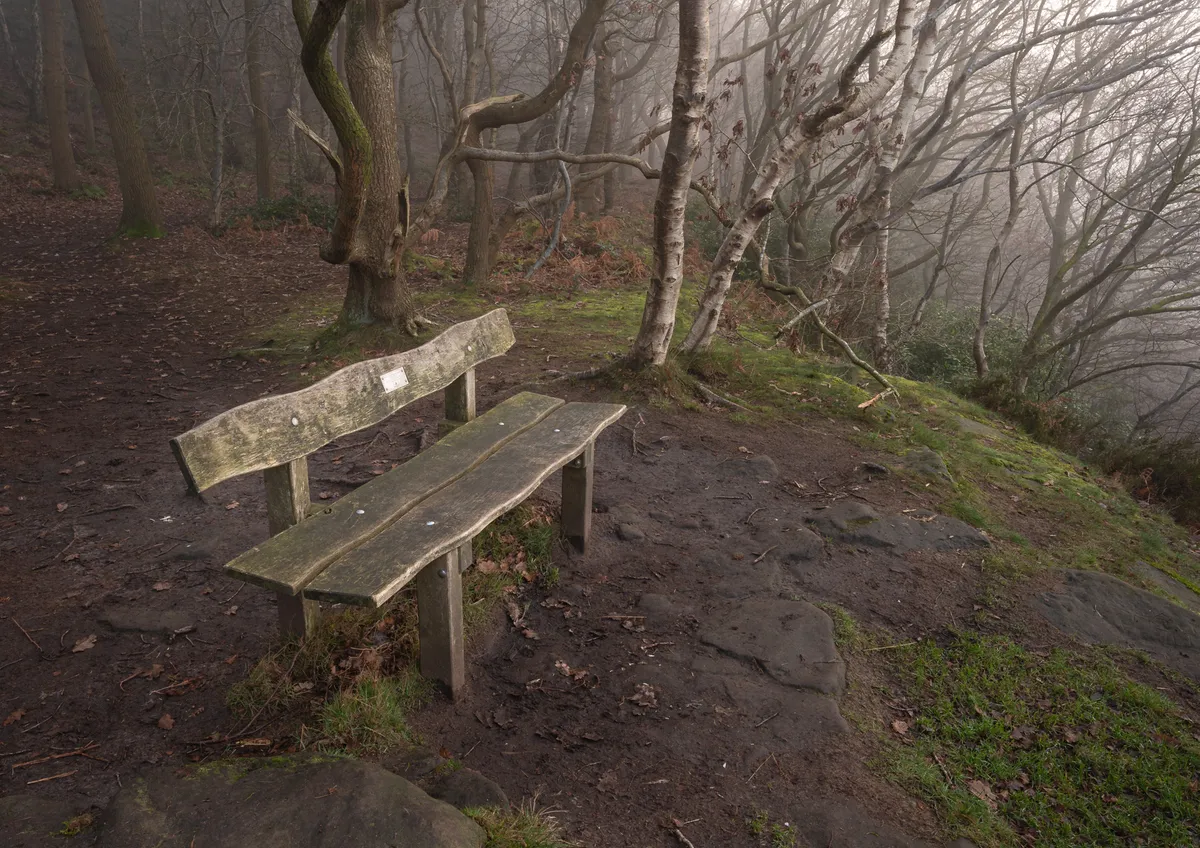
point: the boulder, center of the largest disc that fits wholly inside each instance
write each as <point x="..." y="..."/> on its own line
<point x="843" y="822"/>
<point x="792" y="641"/>
<point x="280" y="802"/>
<point x="30" y="821"/>
<point x="465" y="788"/>
<point x="137" y="619"/>
<point x="857" y="523"/>
<point x="1101" y="610"/>
<point x="756" y="469"/>
<point x="927" y="462"/>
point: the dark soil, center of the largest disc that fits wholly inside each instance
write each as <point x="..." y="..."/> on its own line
<point x="626" y="713"/>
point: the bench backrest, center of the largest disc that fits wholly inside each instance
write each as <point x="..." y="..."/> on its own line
<point x="276" y="430"/>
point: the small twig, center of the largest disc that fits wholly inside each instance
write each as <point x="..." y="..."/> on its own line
<point x="764" y="553"/>
<point x="12" y="662"/>
<point x="679" y="835"/>
<point x="234" y="595"/>
<point x="43" y="721"/>
<point x="111" y="509"/>
<point x="770" y="757"/>
<point x="32" y="641"/>
<point x="897" y="645"/>
<point x="52" y="777"/>
<point x="76" y="753"/>
<point x="765" y="720"/>
<point x="746" y="520"/>
<point x="937" y="759"/>
<point x="713" y="397"/>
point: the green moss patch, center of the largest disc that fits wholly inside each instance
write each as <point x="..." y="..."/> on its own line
<point x="1016" y="747"/>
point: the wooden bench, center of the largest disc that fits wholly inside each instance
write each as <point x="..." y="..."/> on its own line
<point x="416" y="521"/>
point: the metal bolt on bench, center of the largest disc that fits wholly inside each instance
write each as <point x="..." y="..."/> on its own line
<point x="416" y="522"/>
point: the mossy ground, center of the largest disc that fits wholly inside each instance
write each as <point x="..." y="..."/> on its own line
<point x="352" y="684"/>
<point x="1014" y="746"/>
<point x="1130" y="772"/>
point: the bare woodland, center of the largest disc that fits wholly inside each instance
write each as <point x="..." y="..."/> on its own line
<point x="1026" y="171"/>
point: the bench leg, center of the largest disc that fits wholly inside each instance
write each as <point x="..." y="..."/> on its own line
<point x="577" y="497"/>
<point x="297" y="616"/>
<point x="439" y="607"/>
<point x="466" y="555"/>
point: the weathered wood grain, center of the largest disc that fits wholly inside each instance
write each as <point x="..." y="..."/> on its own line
<point x="373" y="572"/>
<point x="577" y="498"/>
<point x="274" y="430"/>
<point x="289" y="561"/>
<point x="287" y="505"/>
<point x="460" y="399"/>
<point x="460" y="408"/>
<point x="440" y="623"/>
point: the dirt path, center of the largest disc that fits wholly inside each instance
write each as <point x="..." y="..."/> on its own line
<point x="681" y="678"/>
<point x="106" y="357"/>
<point x="680" y="673"/>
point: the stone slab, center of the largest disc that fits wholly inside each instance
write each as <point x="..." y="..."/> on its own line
<point x="282" y="802"/>
<point x="1101" y="610"/>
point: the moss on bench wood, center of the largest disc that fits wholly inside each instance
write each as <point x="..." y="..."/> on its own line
<point x="373" y="572"/>
<point x="278" y="429"/>
<point x="288" y="561"/>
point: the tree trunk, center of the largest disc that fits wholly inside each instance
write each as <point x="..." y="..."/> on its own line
<point x="851" y="103"/>
<point x="610" y="179"/>
<point x="478" y="264"/>
<point x="140" y="215"/>
<point x="143" y="44"/>
<point x="62" y="160"/>
<point x="687" y="112"/>
<point x="993" y="275"/>
<point x="258" y="104"/>
<point x="591" y="197"/>
<point x="89" y="120"/>
<point x="37" y="72"/>
<point x="377" y="291"/>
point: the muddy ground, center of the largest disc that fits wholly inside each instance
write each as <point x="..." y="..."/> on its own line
<point x="652" y="699"/>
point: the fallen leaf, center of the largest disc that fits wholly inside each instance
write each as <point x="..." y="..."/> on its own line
<point x="743" y="449"/>
<point x="325" y="495"/>
<point x="155" y="671"/>
<point x="4" y="510"/>
<point x="13" y="717"/>
<point x="514" y="613"/>
<point x="900" y="727"/>
<point x="62" y="507"/>
<point x="166" y="722"/>
<point x="645" y="696"/>
<point x="231" y="659"/>
<point x="161" y="586"/>
<point x="983" y="792"/>
<point x="232" y="505"/>
<point x="70" y="557"/>
<point x="529" y="634"/>
<point x="232" y="610"/>
<point x="261" y="742"/>
<point x="1070" y="735"/>
<point x="84" y="644"/>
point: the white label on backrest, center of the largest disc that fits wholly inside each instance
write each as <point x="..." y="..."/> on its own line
<point x="393" y="380"/>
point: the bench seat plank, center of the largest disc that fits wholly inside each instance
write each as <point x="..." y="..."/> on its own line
<point x="273" y="430"/>
<point x="372" y="573"/>
<point x="288" y="561"/>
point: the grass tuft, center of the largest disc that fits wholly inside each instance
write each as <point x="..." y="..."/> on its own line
<point x="372" y="715"/>
<point x="526" y="826"/>
<point x="1015" y="747"/>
